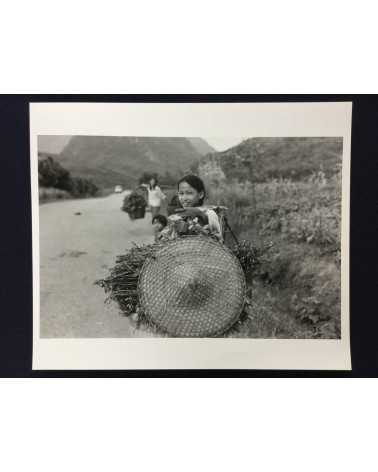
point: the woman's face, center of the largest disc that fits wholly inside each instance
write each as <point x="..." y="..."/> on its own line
<point x="152" y="182"/>
<point x="189" y="196"/>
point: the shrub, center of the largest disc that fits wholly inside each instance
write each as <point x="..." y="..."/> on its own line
<point x="316" y="297"/>
<point x="52" y="175"/>
<point x="238" y="198"/>
<point x="49" y="194"/>
<point x="133" y="202"/>
<point x="251" y="257"/>
<point x="320" y="226"/>
<point x="301" y="271"/>
<point x="83" y="187"/>
<point x="307" y="211"/>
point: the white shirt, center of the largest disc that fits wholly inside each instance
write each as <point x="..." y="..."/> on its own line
<point x="155" y="196"/>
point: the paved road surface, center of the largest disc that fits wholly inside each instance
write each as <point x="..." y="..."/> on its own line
<point x="76" y="250"/>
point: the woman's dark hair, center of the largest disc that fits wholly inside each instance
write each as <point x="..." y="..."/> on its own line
<point x="161" y="219"/>
<point x="194" y="182"/>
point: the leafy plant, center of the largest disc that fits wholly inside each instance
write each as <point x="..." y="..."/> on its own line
<point x="301" y="271"/>
<point x="251" y="257"/>
<point x="52" y="175"/>
<point x="133" y="202"/>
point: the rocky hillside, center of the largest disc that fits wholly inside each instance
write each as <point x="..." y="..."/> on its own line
<point x="260" y="159"/>
<point x="121" y="160"/>
<point x="201" y="145"/>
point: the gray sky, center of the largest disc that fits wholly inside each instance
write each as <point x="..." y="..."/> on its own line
<point x="221" y="144"/>
<point x="55" y="144"/>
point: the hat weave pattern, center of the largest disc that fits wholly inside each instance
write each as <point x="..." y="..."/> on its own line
<point x="192" y="287"/>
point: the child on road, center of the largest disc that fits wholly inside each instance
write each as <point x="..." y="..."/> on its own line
<point x="159" y="222"/>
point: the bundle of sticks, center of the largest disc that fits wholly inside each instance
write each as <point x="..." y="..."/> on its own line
<point x="121" y="285"/>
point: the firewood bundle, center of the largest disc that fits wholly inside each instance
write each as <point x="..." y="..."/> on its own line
<point x="121" y="285"/>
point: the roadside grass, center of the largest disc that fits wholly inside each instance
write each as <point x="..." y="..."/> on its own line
<point x="51" y="194"/>
<point x="294" y="286"/>
<point x="295" y="292"/>
<point x="47" y="194"/>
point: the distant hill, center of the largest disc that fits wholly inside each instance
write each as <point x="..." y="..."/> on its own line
<point x="260" y="159"/>
<point x="44" y="155"/>
<point x="201" y="145"/>
<point x="52" y="144"/>
<point x="111" y="160"/>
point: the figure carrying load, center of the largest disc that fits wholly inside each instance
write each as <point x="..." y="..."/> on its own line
<point x="188" y="283"/>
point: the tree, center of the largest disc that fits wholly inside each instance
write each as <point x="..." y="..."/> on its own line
<point x="52" y="174"/>
<point x="147" y="176"/>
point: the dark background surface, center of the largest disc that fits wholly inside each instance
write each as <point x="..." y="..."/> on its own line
<point x="16" y="237"/>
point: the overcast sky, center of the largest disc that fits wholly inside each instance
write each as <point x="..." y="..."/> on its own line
<point x="55" y="144"/>
<point x="221" y="144"/>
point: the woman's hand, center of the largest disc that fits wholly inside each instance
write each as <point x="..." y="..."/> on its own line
<point x="193" y="212"/>
<point x="205" y="230"/>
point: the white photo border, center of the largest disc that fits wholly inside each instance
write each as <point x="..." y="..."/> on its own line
<point x="318" y="119"/>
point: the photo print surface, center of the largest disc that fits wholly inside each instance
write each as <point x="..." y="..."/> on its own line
<point x="227" y="239"/>
<point x="109" y="203"/>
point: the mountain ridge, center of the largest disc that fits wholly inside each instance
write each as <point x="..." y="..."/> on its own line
<point x="111" y="160"/>
<point x="261" y="159"/>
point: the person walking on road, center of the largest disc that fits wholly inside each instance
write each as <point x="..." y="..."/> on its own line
<point x="155" y="196"/>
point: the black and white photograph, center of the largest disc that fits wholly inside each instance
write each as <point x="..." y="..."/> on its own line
<point x="190" y="236"/>
<point x="206" y="236"/>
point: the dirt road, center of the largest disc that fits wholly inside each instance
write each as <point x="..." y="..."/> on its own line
<point x="75" y="250"/>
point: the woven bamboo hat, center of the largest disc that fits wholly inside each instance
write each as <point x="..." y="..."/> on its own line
<point x="192" y="287"/>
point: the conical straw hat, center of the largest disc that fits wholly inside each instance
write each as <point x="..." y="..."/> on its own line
<point x="192" y="287"/>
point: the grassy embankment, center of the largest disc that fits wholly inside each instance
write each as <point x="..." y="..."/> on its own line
<point x="50" y="194"/>
<point x="296" y="289"/>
